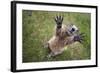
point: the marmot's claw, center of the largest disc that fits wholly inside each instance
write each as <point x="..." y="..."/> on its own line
<point x="59" y="20"/>
<point x="79" y="37"/>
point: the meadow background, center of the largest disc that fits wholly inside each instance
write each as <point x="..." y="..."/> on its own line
<point x="38" y="28"/>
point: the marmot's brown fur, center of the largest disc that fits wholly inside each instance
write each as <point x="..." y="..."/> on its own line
<point x="63" y="36"/>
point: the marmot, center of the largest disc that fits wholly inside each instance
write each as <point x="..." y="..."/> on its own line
<point x="64" y="35"/>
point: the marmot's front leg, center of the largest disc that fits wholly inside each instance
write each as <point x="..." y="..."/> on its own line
<point x="58" y="20"/>
<point x="74" y="38"/>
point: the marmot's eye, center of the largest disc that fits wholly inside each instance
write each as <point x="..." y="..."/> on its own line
<point x="73" y="29"/>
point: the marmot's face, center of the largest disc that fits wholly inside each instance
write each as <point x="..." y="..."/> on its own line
<point x="72" y="29"/>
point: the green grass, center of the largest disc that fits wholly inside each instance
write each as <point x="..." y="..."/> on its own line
<point x="38" y="28"/>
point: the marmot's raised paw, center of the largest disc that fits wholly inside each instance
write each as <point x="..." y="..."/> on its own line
<point x="59" y="20"/>
<point x="79" y="37"/>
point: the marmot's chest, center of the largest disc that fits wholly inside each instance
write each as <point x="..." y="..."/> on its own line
<point x="56" y="43"/>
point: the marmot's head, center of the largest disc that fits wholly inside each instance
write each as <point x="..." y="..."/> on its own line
<point x="72" y="29"/>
